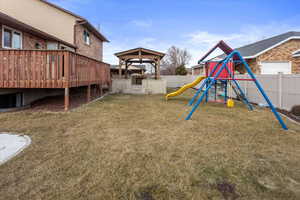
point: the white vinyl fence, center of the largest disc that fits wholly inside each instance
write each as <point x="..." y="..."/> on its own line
<point x="283" y="90"/>
<point x="178" y="81"/>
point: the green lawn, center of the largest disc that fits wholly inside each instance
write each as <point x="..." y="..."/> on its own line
<point x="140" y="147"/>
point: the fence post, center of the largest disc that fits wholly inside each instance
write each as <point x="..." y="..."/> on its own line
<point x="280" y="90"/>
<point x="246" y="87"/>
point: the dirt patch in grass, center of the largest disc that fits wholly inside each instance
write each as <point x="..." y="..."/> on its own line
<point x="139" y="147"/>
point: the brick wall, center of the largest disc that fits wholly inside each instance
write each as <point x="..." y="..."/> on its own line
<point x="280" y="53"/>
<point x="0" y="36"/>
<point x="283" y="53"/>
<point x="198" y="71"/>
<point x="296" y="65"/>
<point x="94" y="50"/>
<point x="252" y="64"/>
<point x="28" y="40"/>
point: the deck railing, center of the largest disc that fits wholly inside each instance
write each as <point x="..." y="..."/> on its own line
<point x="50" y="69"/>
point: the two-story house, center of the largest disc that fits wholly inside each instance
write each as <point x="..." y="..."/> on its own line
<point x="45" y="48"/>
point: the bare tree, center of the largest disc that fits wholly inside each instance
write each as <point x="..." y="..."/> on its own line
<point x="174" y="58"/>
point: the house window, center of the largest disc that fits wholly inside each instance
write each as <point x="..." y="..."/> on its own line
<point x="11" y="38"/>
<point x="52" y="46"/>
<point x="38" y="45"/>
<point x="86" y="37"/>
<point x="7" y="38"/>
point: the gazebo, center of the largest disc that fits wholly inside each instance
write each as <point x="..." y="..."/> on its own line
<point x="139" y="56"/>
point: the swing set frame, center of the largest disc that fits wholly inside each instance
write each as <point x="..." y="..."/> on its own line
<point x="214" y="76"/>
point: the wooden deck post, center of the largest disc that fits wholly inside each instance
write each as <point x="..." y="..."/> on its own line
<point x="101" y="90"/>
<point x="67" y="99"/>
<point x="97" y="91"/>
<point x="88" y="93"/>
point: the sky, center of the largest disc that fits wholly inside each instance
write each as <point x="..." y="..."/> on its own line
<point x="195" y="25"/>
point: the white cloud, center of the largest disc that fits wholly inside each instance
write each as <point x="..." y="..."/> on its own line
<point x="129" y="43"/>
<point x="199" y="42"/>
<point x="205" y="38"/>
<point x="110" y="49"/>
<point x="142" y="23"/>
<point x="147" y="42"/>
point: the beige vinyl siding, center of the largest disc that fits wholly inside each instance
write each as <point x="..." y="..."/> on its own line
<point x="41" y="16"/>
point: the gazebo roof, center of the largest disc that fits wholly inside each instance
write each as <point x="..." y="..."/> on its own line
<point x="140" y="51"/>
<point x="140" y="55"/>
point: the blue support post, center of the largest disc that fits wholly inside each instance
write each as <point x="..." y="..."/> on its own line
<point x="262" y="91"/>
<point x="245" y="100"/>
<point x="198" y="92"/>
<point x="207" y="93"/>
<point x="199" y="101"/>
<point x="204" y="84"/>
<point x="209" y="86"/>
<point x="226" y="95"/>
<point x="216" y="90"/>
<point x="213" y="81"/>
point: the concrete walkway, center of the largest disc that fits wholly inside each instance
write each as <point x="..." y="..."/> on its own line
<point x="11" y="145"/>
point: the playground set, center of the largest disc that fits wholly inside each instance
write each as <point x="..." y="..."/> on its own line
<point x="222" y="73"/>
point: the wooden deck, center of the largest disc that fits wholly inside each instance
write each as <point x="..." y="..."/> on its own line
<point x="50" y="69"/>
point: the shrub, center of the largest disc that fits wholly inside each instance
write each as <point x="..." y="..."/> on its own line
<point x="181" y="70"/>
<point x="296" y="110"/>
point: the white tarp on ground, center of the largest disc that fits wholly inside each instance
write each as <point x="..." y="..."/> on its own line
<point x="12" y="145"/>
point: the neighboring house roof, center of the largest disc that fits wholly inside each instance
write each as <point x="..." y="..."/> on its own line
<point x="255" y="49"/>
<point x="14" y="23"/>
<point x="296" y="53"/>
<point x="197" y="66"/>
<point x="189" y="70"/>
<point x="81" y="20"/>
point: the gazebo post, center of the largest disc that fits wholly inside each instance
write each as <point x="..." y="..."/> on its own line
<point x="155" y="70"/>
<point x="120" y="68"/>
<point x="126" y="69"/>
<point x="158" y="69"/>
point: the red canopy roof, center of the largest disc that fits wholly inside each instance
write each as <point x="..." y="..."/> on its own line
<point x="223" y="46"/>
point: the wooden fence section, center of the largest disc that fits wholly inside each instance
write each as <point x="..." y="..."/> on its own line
<point x="50" y="69"/>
